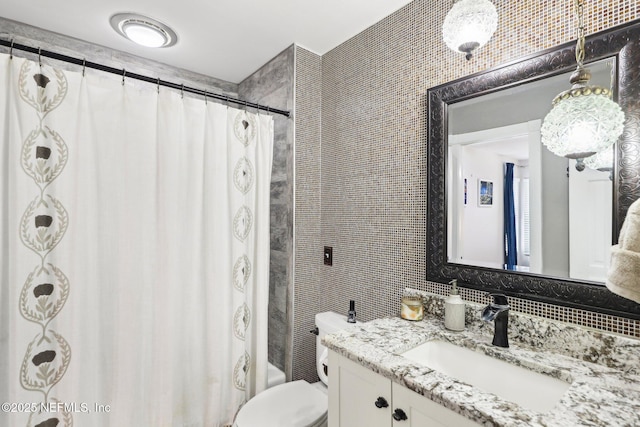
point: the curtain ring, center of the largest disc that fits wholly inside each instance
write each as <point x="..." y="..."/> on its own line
<point x="182" y="91"/>
<point x="84" y="66"/>
<point x="11" y="50"/>
<point x="205" y="97"/>
<point x="158" y="87"/>
<point x="39" y="58"/>
<point x="124" y="73"/>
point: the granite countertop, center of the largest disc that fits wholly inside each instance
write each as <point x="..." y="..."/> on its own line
<point x="598" y="395"/>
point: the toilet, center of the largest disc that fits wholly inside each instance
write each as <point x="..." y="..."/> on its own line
<point x="296" y="403"/>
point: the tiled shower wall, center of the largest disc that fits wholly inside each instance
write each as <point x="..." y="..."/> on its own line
<point x="272" y="85"/>
<point x="372" y="171"/>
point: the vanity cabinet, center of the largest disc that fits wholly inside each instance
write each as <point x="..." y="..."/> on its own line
<point x="361" y="397"/>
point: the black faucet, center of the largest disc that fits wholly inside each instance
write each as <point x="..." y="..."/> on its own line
<point x="498" y="311"/>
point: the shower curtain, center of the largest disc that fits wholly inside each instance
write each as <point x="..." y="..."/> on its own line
<point x="135" y="252"/>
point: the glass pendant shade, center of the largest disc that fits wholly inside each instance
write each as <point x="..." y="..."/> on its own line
<point x="602" y="161"/>
<point x="469" y="25"/>
<point x="583" y="121"/>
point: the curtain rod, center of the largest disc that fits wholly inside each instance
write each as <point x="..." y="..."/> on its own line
<point x="122" y="72"/>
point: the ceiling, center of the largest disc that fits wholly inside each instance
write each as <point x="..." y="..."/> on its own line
<point x="226" y="39"/>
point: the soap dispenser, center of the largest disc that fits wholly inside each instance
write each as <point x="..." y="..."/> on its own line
<point x="454" y="309"/>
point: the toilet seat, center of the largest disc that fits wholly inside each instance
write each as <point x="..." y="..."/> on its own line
<point x="293" y="404"/>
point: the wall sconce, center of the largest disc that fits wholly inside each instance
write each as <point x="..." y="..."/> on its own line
<point x="584" y="120"/>
<point x="469" y="25"/>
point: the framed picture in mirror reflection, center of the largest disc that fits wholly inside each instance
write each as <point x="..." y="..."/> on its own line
<point x="485" y="193"/>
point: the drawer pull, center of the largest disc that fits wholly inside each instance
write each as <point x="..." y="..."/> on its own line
<point x="381" y="403"/>
<point x="399" y="415"/>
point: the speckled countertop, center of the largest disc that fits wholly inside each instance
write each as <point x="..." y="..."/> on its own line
<point x="599" y="395"/>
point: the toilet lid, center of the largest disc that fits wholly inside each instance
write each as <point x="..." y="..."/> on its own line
<point x="296" y="403"/>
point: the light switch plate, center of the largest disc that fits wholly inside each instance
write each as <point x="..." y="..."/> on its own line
<point x="328" y="255"/>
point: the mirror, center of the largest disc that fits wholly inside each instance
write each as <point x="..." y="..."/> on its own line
<point x="488" y="132"/>
<point x="451" y="132"/>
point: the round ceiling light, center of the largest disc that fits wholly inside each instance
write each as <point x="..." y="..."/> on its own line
<point x="143" y="30"/>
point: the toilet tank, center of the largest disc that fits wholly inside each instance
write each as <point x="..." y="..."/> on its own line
<point x="327" y="323"/>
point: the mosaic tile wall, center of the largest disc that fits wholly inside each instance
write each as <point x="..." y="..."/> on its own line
<point x="308" y="258"/>
<point x="373" y="166"/>
<point x="605" y="322"/>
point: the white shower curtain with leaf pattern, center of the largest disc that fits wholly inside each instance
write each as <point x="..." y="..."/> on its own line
<point x="135" y="252"/>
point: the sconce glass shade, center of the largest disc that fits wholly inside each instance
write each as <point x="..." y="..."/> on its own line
<point x="469" y="25"/>
<point x="602" y="161"/>
<point x="583" y="121"/>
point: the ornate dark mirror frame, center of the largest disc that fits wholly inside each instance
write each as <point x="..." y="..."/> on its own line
<point x="621" y="43"/>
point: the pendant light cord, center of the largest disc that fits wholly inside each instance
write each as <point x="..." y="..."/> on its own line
<point x="580" y="41"/>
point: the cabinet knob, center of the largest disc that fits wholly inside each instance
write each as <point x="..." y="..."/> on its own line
<point x="399" y="415"/>
<point x="381" y="402"/>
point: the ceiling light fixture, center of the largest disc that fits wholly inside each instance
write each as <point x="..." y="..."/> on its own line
<point x="143" y="30"/>
<point x="584" y="120"/>
<point x="469" y="25"/>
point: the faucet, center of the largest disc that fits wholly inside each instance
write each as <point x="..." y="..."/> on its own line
<point x="498" y="312"/>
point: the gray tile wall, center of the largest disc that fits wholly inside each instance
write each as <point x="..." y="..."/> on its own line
<point x="272" y="85"/>
<point x="372" y="161"/>
<point x="308" y="252"/>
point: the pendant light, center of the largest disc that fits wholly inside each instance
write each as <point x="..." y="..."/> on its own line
<point x="584" y="120"/>
<point x="602" y="161"/>
<point x="469" y="25"/>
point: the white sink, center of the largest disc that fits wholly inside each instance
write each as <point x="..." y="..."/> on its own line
<point x="529" y="389"/>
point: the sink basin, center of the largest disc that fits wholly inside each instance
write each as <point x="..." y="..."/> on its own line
<point x="529" y="389"/>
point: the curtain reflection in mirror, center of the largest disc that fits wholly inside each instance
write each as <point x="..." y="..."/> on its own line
<point x="510" y="239"/>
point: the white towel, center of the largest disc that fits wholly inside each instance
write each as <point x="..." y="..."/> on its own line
<point x="624" y="271"/>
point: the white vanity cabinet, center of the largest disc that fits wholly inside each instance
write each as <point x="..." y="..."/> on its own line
<point x="359" y="397"/>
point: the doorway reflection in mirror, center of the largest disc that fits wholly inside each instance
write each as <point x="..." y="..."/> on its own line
<point x="562" y="217"/>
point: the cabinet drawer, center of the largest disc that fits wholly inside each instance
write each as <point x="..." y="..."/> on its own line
<point x="353" y="393"/>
